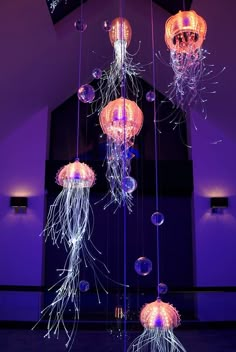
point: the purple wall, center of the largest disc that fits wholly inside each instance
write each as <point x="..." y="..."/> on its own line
<point x="215" y="234"/>
<point x="46" y="74"/>
<point x="24" y="152"/>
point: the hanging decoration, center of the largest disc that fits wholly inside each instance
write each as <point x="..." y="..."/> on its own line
<point x="185" y="33"/>
<point x="193" y="78"/>
<point x="121" y="120"/>
<point x="121" y="69"/>
<point x="158" y="319"/>
<point x="70" y="223"/>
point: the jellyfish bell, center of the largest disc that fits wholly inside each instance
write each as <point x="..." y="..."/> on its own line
<point x="159" y="314"/>
<point x="185" y="32"/>
<point x="77" y="174"/>
<point x="158" y="319"/>
<point x="120" y="37"/>
<point x="121" y="69"/>
<point x="69" y="223"/>
<point x="120" y="31"/>
<point x="121" y="120"/>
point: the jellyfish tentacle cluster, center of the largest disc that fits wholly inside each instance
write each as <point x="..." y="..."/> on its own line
<point x="122" y="68"/>
<point x="68" y="223"/>
<point x="120" y="120"/>
<point x="158" y="319"/>
<point x="184" y="36"/>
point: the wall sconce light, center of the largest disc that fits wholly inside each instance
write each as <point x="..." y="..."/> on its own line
<point x="19" y="204"/>
<point x="218" y="204"/>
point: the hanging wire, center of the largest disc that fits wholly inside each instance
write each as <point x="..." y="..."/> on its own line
<point x="123" y="94"/>
<point x="79" y="82"/>
<point x="155" y="148"/>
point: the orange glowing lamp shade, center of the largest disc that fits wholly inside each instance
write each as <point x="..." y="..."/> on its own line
<point x="185" y="31"/>
<point x="75" y="174"/>
<point x="121" y="119"/>
<point x="160" y="315"/>
<point x="120" y="30"/>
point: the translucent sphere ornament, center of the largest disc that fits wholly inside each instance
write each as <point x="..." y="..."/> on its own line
<point x="143" y="266"/>
<point x="150" y="96"/>
<point x="162" y="288"/>
<point x="84" y="286"/>
<point x="107" y="25"/>
<point x="80" y="25"/>
<point x="97" y="73"/>
<point x="129" y="184"/>
<point x="157" y="218"/>
<point x="86" y="93"/>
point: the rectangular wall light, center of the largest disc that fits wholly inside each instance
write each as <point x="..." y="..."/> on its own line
<point x="19" y="204"/>
<point x="218" y="204"/>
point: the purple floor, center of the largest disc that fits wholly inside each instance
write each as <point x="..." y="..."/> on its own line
<point x="195" y="340"/>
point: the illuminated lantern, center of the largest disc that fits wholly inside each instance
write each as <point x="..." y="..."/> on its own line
<point x="75" y="175"/>
<point x="120" y="31"/>
<point x="158" y="319"/>
<point x="185" y="33"/>
<point x="68" y="225"/>
<point x="159" y="315"/>
<point x="121" y="69"/>
<point x="121" y="120"/>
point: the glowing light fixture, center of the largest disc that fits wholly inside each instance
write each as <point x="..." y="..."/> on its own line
<point x="185" y="32"/>
<point x="122" y="68"/>
<point x="158" y="319"/>
<point x="19" y="204"/>
<point x="159" y="314"/>
<point x="121" y="120"/>
<point x="68" y="225"/>
<point x="120" y="30"/>
<point x="218" y="204"/>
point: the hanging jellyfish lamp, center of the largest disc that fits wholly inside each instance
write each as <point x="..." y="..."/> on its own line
<point x="121" y="120"/>
<point x="158" y="319"/>
<point x="185" y="33"/>
<point x="120" y="37"/>
<point x="122" y="67"/>
<point x="69" y="224"/>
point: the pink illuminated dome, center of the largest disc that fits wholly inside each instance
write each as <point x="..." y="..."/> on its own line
<point x="121" y="119"/>
<point x="75" y="174"/>
<point x="120" y="30"/>
<point x="185" y="31"/>
<point x="160" y="315"/>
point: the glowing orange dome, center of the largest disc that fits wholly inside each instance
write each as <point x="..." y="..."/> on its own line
<point x="159" y="315"/>
<point x="75" y="174"/>
<point x="121" y="119"/>
<point x="185" y="31"/>
<point x="120" y="30"/>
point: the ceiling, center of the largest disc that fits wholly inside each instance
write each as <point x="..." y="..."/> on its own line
<point x="61" y="9"/>
<point x="174" y="6"/>
<point x="39" y="60"/>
